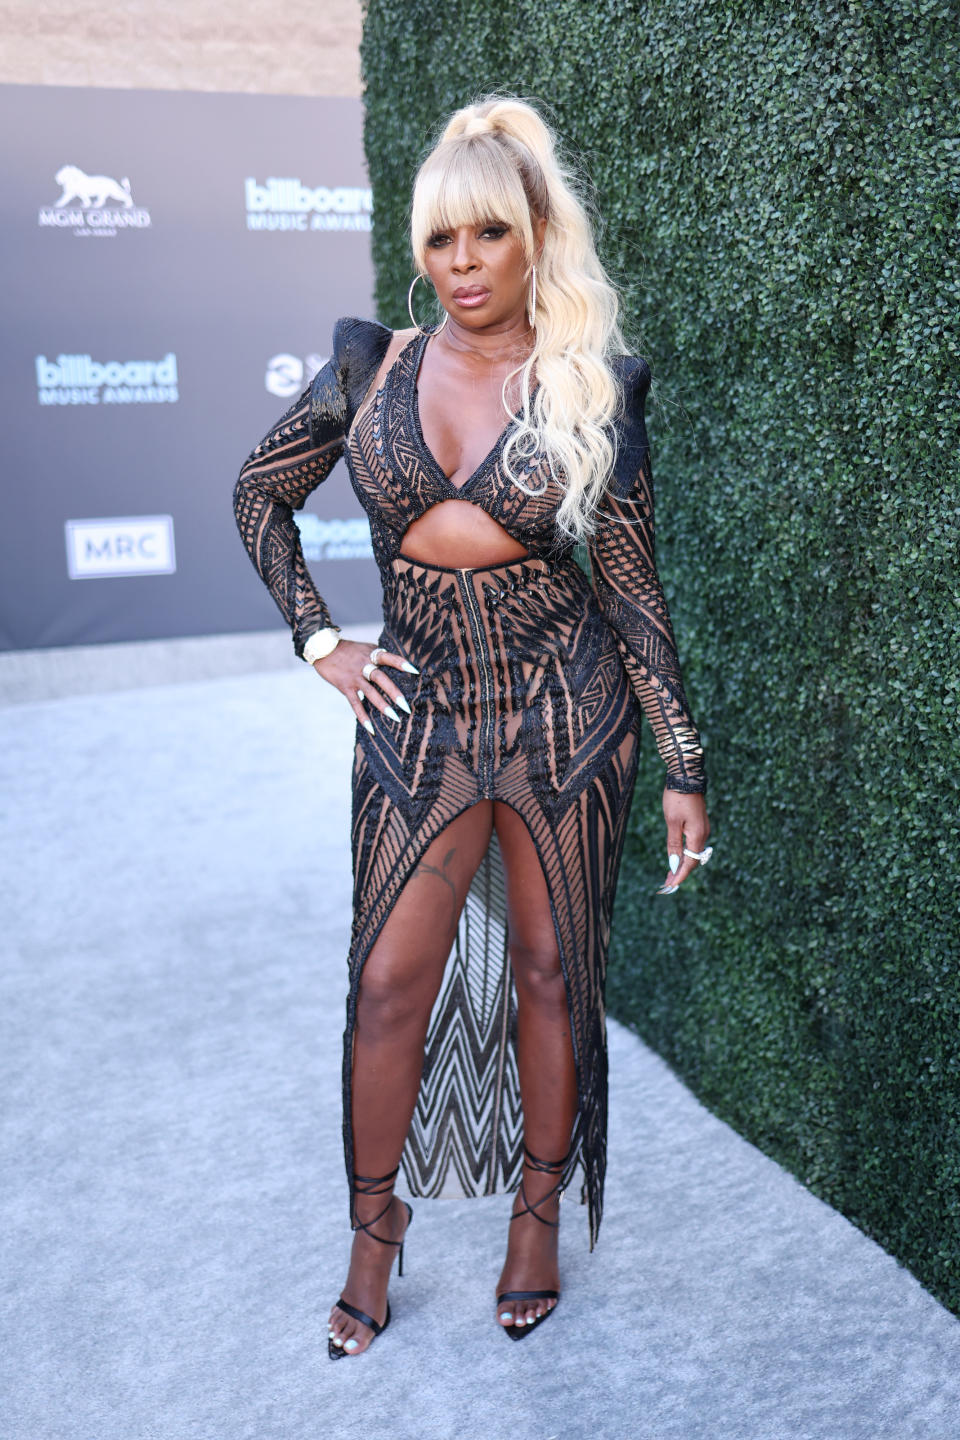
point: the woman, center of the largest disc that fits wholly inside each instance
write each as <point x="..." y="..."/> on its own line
<point x="501" y="704"/>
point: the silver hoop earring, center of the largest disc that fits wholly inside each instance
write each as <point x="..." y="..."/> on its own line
<point x="413" y="318"/>
<point x="532" y="307"/>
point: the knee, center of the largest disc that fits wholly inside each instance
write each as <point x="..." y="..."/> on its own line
<point x="387" y="1006"/>
<point x="538" y="974"/>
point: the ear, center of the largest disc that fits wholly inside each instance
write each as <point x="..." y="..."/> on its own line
<point x="539" y="230"/>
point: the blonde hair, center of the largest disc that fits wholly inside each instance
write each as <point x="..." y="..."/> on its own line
<point x="497" y="159"/>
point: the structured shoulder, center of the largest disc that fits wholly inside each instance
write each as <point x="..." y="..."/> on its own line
<point x="633" y="447"/>
<point x="358" y="348"/>
<point x="633" y="374"/>
<point x="338" y="387"/>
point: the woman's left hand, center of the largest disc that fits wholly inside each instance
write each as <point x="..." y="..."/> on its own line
<point x="687" y="828"/>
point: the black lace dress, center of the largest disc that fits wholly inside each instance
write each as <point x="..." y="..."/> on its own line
<point x="532" y="680"/>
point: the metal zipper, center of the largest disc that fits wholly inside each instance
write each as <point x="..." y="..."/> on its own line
<point x="486" y="687"/>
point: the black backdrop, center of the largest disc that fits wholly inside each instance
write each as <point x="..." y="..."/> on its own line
<point x="190" y="300"/>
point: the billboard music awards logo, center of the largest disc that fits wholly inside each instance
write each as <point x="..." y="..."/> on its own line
<point x="92" y="205"/>
<point x="333" y="539"/>
<point x="288" y="376"/>
<point x="79" y="380"/>
<point x="288" y="204"/>
<point x="124" y="545"/>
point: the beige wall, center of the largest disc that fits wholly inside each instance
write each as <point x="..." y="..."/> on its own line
<point x="264" y="46"/>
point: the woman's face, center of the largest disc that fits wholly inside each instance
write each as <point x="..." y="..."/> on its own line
<point x="479" y="272"/>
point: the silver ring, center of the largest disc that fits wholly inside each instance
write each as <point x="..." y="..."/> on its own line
<point x="702" y="855"/>
<point x="375" y="654"/>
<point x="368" y="671"/>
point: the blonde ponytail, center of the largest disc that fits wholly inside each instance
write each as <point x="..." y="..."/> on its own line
<point x="498" y="158"/>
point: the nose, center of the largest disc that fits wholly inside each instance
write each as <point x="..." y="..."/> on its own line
<point x="464" y="257"/>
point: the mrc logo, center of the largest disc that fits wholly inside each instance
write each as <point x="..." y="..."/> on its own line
<point x="120" y="545"/>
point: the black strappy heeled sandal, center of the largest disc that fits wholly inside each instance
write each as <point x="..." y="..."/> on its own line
<point x="544" y="1167"/>
<point x="367" y="1185"/>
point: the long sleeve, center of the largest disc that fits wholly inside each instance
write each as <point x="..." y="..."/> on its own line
<point x="628" y="589"/>
<point x="292" y="460"/>
<point x="288" y="464"/>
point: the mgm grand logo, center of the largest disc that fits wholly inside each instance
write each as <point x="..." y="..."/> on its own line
<point x="92" y="205"/>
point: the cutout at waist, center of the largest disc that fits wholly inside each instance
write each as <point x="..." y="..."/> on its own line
<point x="458" y="535"/>
<point x="458" y="569"/>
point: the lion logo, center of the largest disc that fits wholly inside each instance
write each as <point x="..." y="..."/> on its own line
<point x="92" y="191"/>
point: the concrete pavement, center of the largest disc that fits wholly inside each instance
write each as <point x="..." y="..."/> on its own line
<point x="175" y="887"/>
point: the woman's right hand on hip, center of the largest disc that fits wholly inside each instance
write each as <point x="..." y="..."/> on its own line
<point x="351" y="670"/>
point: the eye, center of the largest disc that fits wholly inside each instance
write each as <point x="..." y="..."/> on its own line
<point x="435" y="241"/>
<point x="495" y="231"/>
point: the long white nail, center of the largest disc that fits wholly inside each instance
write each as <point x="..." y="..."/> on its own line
<point x="368" y="725"/>
<point x="674" y="864"/>
<point x="410" y="669"/>
<point x="402" y="702"/>
<point x="390" y="713"/>
<point x="667" y="890"/>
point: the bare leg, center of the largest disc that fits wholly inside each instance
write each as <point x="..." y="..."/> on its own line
<point x="548" y="1081"/>
<point x="398" y="987"/>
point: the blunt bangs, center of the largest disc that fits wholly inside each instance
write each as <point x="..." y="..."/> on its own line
<point x="468" y="182"/>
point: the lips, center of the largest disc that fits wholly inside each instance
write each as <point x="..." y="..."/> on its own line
<point x="471" y="297"/>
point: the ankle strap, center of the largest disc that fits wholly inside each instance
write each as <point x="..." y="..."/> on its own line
<point x="547" y="1167"/>
<point x="374" y="1184"/>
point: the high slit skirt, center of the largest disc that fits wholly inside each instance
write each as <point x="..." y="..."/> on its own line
<point x="521" y="697"/>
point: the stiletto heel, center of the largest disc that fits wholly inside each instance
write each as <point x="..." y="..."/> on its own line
<point x="367" y="1185"/>
<point x="544" y="1167"/>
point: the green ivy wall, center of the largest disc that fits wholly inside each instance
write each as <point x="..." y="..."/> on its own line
<point x="779" y="190"/>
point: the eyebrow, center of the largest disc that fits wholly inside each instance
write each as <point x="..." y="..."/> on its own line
<point x="479" y="225"/>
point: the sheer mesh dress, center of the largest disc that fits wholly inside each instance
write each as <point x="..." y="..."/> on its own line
<point x="531" y="688"/>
